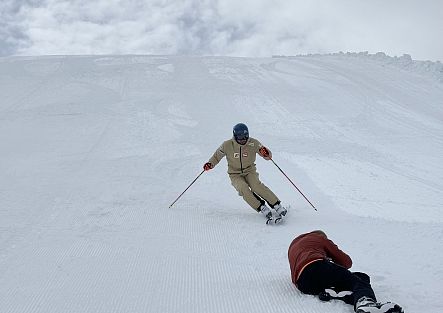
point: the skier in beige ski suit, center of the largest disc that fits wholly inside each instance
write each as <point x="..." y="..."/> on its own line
<point x="240" y="152"/>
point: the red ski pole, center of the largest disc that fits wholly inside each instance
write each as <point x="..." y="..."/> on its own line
<point x="186" y="189"/>
<point x="293" y="184"/>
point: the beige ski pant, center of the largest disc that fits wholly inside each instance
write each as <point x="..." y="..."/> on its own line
<point x="247" y="184"/>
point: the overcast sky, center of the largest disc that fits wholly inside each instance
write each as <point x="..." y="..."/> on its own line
<point x="222" y="27"/>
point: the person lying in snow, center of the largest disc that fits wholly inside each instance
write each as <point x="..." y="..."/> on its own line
<point x="320" y="268"/>
<point x="240" y="152"/>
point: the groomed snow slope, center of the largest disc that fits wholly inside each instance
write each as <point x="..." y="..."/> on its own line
<point x="93" y="150"/>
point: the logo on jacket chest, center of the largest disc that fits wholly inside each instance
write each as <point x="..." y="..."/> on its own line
<point x="244" y="154"/>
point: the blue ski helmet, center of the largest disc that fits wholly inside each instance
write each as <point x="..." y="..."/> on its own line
<point x="241" y="133"/>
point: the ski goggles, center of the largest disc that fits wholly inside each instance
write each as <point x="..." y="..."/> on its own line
<point x="242" y="137"/>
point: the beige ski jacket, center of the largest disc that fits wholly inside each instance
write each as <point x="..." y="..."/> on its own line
<point x="241" y="158"/>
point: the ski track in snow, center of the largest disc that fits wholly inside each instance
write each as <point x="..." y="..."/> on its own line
<point x="93" y="150"/>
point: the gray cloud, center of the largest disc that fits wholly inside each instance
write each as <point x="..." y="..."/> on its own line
<point x="228" y="27"/>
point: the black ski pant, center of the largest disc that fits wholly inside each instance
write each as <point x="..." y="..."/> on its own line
<point x="321" y="275"/>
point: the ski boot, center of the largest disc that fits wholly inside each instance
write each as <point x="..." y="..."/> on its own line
<point x="266" y="212"/>
<point x="281" y="212"/>
<point x="367" y="305"/>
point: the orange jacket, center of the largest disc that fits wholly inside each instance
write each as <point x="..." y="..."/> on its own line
<point x="313" y="246"/>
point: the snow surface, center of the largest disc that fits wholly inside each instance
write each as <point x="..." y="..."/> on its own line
<point x="94" y="149"/>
